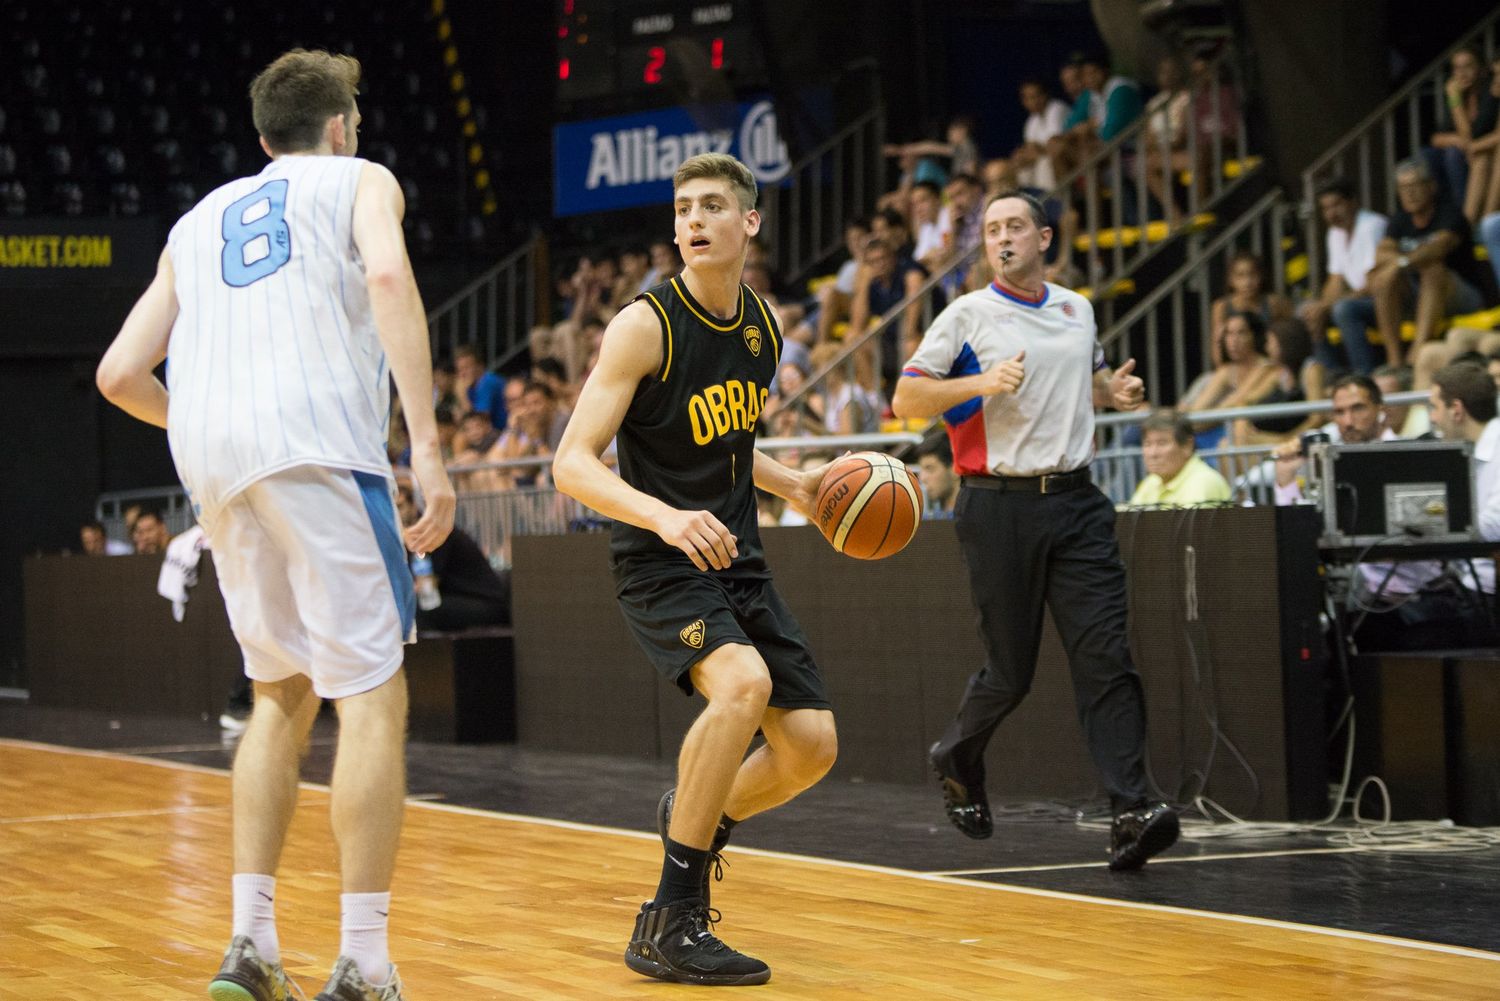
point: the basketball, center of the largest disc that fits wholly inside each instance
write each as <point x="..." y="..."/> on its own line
<point x="869" y="505"/>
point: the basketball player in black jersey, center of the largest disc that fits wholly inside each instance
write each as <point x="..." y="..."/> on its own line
<point x="681" y="381"/>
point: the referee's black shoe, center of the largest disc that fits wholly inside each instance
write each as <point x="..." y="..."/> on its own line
<point x="964" y="802"/>
<point x="714" y="871"/>
<point x="674" y="943"/>
<point x="1138" y="834"/>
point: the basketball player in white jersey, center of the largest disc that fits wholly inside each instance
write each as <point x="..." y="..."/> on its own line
<point x="278" y="305"/>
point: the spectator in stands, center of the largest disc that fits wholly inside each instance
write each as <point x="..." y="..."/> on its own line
<point x="1358" y="417"/>
<point x="1167" y="136"/>
<point x="926" y="219"/>
<point x="935" y="469"/>
<point x="472" y="593"/>
<point x="1458" y="341"/>
<point x="635" y="269"/>
<point x="1426" y="256"/>
<point x="1106" y="107"/>
<point x="961" y="221"/>
<point x="1176" y="477"/>
<point x="890" y="227"/>
<point x="1216" y="116"/>
<point x="545" y="417"/>
<point x="445" y="388"/>
<point x="1299" y="378"/>
<point x="664" y="263"/>
<point x="1492" y="366"/>
<point x="1244" y="377"/>
<point x="447" y="429"/>
<point x="1070" y="78"/>
<point x="884" y="281"/>
<point x="1483" y="195"/>
<point x="475" y="436"/>
<point x="94" y="542"/>
<point x="484" y="390"/>
<point x="792" y="421"/>
<point x="1354" y="236"/>
<point x="1248" y="293"/>
<point x="850" y="405"/>
<point x="150" y="534"/>
<point x="835" y="297"/>
<point x="550" y="373"/>
<point x="959" y="150"/>
<point x="1046" y="117"/>
<point x="1469" y="112"/>
<point x="1393" y="379"/>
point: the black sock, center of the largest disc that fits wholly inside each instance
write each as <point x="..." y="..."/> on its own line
<point x="722" y="832"/>
<point x="682" y="871"/>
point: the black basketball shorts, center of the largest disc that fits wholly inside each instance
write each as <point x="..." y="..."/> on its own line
<point x="681" y="616"/>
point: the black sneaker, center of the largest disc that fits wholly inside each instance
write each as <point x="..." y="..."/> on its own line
<point x="964" y="802"/>
<point x="1137" y="835"/>
<point x="714" y="871"/>
<point x="674" y="943"/>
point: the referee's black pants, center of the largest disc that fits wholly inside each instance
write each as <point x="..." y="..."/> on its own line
<point x="1024" y="548"/>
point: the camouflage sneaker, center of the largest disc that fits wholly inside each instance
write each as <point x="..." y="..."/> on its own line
<point x="347" y="984"/>
<point x="244" y="976"/>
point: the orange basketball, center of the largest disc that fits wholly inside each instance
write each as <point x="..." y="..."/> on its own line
<point x="869" y="505"/>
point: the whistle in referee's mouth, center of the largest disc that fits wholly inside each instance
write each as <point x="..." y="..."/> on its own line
<point x="1006" y="255"/>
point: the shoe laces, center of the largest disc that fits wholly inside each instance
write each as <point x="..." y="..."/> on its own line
<point x="701" y="921"/>
<point x="292" y="990"/>
<point x="717" y="863"/>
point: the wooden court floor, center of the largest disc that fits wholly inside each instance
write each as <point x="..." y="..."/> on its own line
<point x="115" y="884"/>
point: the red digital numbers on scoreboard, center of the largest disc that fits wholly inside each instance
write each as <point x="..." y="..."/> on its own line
<point x="716" y="54"/>
<point x="656" y="58"/>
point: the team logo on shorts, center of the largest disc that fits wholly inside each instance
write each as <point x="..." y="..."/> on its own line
<point x="693" y="634"/>
<point x="752" y="340"/>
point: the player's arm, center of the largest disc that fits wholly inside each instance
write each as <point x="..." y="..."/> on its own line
<point x="631" y="351"/>
<point x="126" y="375"/>
<point x="799" y="487"/>
<point x="920" y="395"/>
<point x="401" y="324"/>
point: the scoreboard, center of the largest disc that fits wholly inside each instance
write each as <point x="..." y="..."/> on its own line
<point x="632" y="49"/>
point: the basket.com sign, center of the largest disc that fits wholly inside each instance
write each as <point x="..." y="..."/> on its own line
<point x="616" y="163"/>
<point x="38" y="252"/>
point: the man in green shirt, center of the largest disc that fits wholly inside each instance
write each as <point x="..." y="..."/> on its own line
<point x="1177" y="477"/>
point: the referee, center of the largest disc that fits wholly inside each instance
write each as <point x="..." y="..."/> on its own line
<point x="1016" y="371"/>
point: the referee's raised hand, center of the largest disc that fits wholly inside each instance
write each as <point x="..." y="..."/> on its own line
<point x="1005" y="377"/>
<point x="1126" y="391"/>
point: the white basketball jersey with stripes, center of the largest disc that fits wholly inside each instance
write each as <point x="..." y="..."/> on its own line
<point x="273" y="361"/>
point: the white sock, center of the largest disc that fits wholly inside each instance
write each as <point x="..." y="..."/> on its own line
<point x="255" y="913"/>
<point x="363" y="936"/>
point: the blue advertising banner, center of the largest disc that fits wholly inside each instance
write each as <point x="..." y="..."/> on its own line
<point x="621" y="162"/>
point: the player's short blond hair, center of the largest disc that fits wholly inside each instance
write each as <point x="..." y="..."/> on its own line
<point x="719" y="166"/>
<point x="292" y="99"/>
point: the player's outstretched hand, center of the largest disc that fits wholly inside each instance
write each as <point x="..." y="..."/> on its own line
<point x="1005" y="377"/>
<point x="702" y="536"/>
<point x="431" y="530"/>
<point x="1126" y="390"/>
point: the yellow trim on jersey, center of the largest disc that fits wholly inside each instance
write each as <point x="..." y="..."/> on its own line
<point x="770" y="326"/>
<point x="667" y="365"/>
<point x="689" y="304"/>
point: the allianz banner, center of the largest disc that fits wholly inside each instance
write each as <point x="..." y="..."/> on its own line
<point x="68" y="250"/>
<point x="616" y="163"/>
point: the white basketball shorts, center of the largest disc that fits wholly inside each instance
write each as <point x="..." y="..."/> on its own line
<point x="315" y="578"/>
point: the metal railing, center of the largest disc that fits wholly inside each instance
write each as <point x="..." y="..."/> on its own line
<point x="1398" y="129"/>
<point x="1182" y="302"/>
<point x="496" y="311"/>
<point x="805" y="214"/>
<point x="1118" y="468"/>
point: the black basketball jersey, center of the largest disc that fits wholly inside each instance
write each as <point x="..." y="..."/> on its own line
<point x="688" y="437"/>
